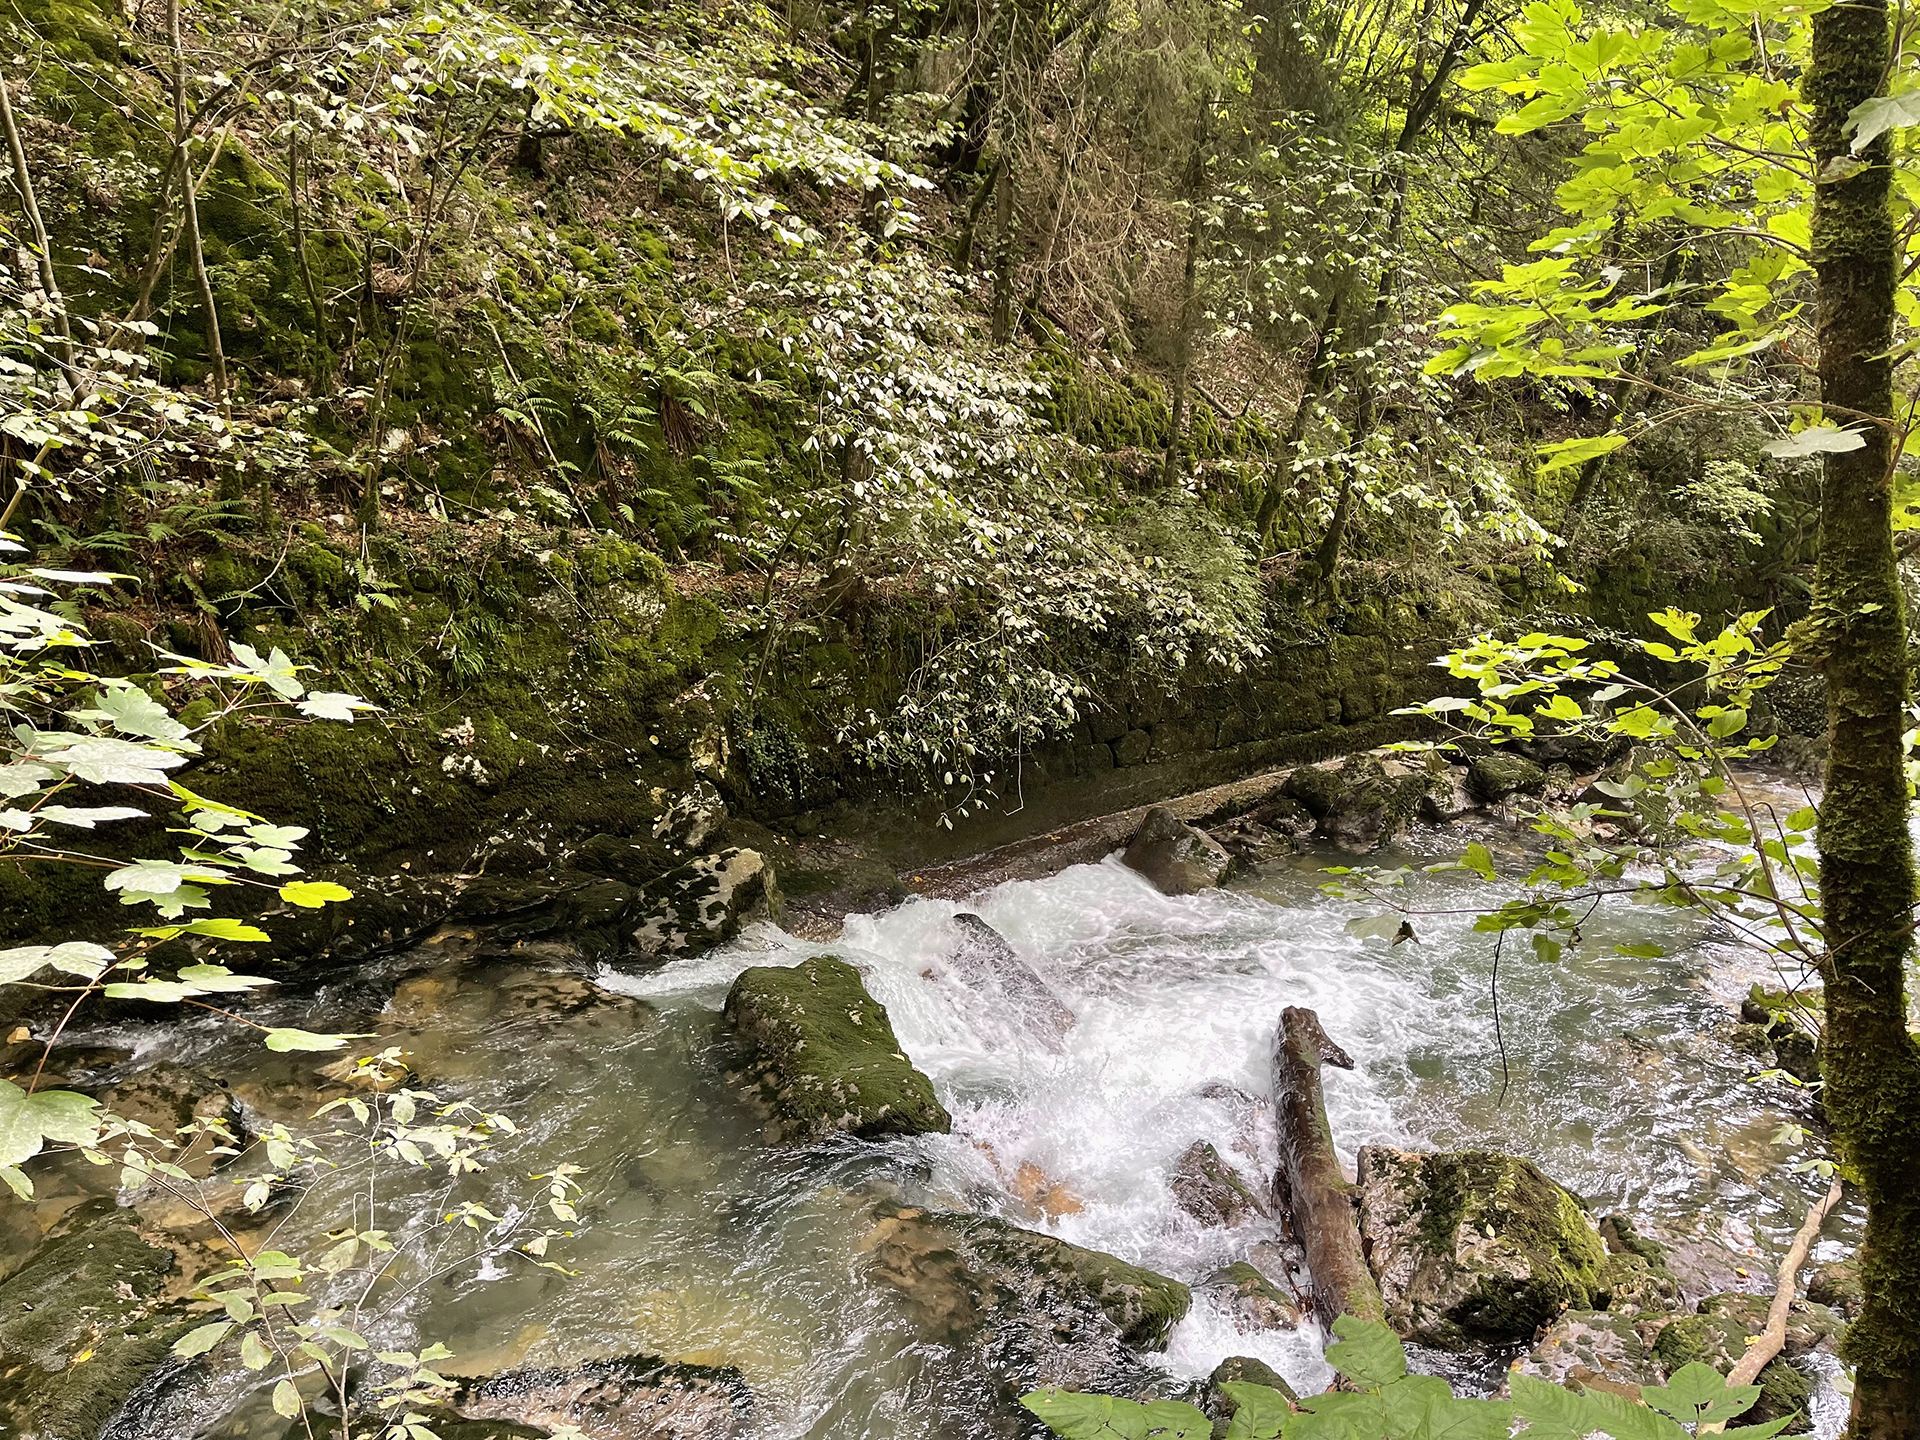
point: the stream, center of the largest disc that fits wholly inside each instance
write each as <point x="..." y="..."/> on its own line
<point x="700" y="1242"/>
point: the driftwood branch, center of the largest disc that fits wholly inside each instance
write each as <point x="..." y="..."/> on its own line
<point x="1767" y="1344"/>
<point x="1319" y="1198"/>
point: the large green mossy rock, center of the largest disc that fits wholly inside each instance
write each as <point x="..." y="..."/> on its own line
<point x="1475" y="1247"/>
<point x="82" y="1325"/>
<point x="1031" y="1309"/>
<point x="820" y="1055"/>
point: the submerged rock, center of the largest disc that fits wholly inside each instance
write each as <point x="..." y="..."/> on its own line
<point x="983" y="960"/>
<point x="1030" y="1308"/>
<point x="1837" y="1285"/>
<point x="83" y="1323"/>
<point x="821" y="1055"/>
<point x="1255" y="1301"/>
<point x="1211" y="1190"/>
<point x="1176" y="857"/>
<point x="632" y="1398"/>
<point x="705" y="903"/>
<point x="1636" y="1276"/>
<point x="1474" y="1247"/>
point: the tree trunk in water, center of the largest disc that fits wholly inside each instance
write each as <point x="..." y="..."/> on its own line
<point x="1871" y="1063"/>
<point x="1319" y="1199"/>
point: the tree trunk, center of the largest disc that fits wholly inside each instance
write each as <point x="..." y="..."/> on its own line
<point x="43" y="249"/>
<point x="1189" y="289"/>
<point x="1871" y="1063"/>
<point x="190" y="212"/>
<point x="1319" y="1199"/>
<point x="1003" y="246"/>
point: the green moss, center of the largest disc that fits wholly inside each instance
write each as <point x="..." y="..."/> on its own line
<point x="822" y="1056"/>
<point x="81" y="1324"/>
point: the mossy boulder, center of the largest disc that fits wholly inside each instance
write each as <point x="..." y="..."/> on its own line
<point x="1362" y="803"/>
<point x="1718" y="1336"/>
<point x="83" y="1323"/>
<point x="636" y="1397"/>
<point x="1596" y="1350"/>
<point x="1176" y="857"/>
<point x="1030" y="1308"/>
<point x="1837" y="1285"/>
<point x="1498" y="777"/>
<point x="1474" y="1247"/>
<point x="820" y="1055"/>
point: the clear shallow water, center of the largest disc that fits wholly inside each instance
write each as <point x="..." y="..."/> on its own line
<point x="702" y="1243"/>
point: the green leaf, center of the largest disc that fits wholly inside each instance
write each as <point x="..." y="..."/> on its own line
<point x="286" y="1399"/>
<point x="1477" y="858"/>
<point x="1375" y="927"/>
<point x="1871" y="119"/>
<point x="1087" y="1417"/>
<point x="202" y="1339"/>
<point x="75" y="957"/>
<point x="1814" y="440"/>
<point x="1640" y="950"/>
<point x="1259" y="1410"/>
<point x="332" y="705"/>
<point x="1567" y="454"/>
<point x="1367" y="1352"/>
<point x="1177" y="1420"/>
<point x="1698" y="1393"/>
<point x="288" y="1039"/>
<point x="28" y="1121"/>
<point x="213" y="930"/>
<point x="312" y="894"/>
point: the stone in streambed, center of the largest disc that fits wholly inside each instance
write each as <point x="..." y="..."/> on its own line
<point x="1211" y="1190"/>
<point x="1219" y="1406"/>
<point x="1363" y="803"/>
<point x="1597" y="1350"/>
<point x="693" y="818"/>
<point x="83" y="1323"/>
<point x="1498" y="777"/>
<point x="1254" y="1301"/>
<point x="821" y="1056"/>
<point x="634" y="1397"/>
<point x="1176" y="857"/>
<point x="1029" y="1308"/>
<point x="983" y="960"/>
<point x="704" y="903"/>
<point x="1474" y="1247"/>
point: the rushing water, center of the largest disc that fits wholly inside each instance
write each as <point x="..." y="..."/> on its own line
<point x="703" y="1243"/>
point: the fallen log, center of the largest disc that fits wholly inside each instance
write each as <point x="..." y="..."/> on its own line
<point x="1319" y="1199"/>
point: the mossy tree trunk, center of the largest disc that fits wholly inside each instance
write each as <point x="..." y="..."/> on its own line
<point x="1872" y="1064"/>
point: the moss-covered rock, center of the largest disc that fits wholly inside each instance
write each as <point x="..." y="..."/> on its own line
<point x="82" y="1325"/>
<point x="1837" y="1285"/>
<point x="1474" y="1247"/>
<point x="820" y="1055"/>
<point x="1718" y="1336"/>
<point x="634" y="1397"/>
<point x="1031" y="1308"/>
<point x="1500" y="776"/>
<point x="705" y="903"/>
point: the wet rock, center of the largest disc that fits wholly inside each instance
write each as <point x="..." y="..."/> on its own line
<point x="1474" y="1247"/>
<point x="821" y="1055"/>
<point x="1597" y="1351"/>
<point x="1219" y="1406"/>
<point x="1362" y="804"/>
<point x="705" y="903"/>
<point x="632" y="1398"/>
<point x="1448" y="799"/>
<point x="1031" y="1309"/>
<point x="1837" y="1285"/>
<point x="1177" y="858"/>
<point x="1255" y="1302"/>
<point x="693" y="819"/>
<point x="387" y="913"/>
<point x="1211" y="1190"/>
<point x="1718" y="1337"/>
<point x="82" y="1324"/>
<point x="1636" y="1276"/>
<point x="1498" y="777"/>
<point x="983" y="960"/>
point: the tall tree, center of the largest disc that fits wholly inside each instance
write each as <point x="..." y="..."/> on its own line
<point x="1872" y="1064"/>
